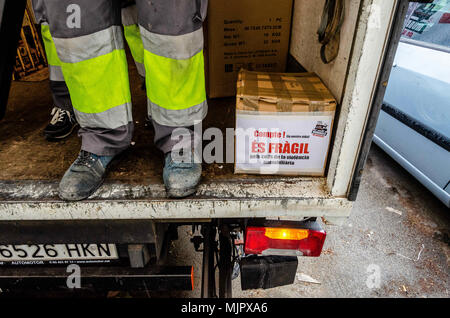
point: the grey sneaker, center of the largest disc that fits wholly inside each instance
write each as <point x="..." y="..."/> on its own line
<point x="83" y="177"/>
<point x="181" y="178"/>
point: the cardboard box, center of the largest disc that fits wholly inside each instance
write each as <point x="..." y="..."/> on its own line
<point x="283" y="123"/>
<point x="250" y="34"/>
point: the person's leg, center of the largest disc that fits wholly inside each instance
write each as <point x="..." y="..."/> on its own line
<point x="172" y="34"/>
<point x="62" y="121"/>
<point x="133" y="35"/>
<point x="89" y="42"/>
<point x="60" y="92"/>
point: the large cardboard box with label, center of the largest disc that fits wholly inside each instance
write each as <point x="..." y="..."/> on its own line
<point x="283" y="123"/>
<point x="250" y="34"/>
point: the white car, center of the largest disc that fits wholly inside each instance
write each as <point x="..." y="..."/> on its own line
<point x="414" y="123"/>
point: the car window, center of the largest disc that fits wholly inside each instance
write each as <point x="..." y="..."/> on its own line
<point x="428" y="22"/>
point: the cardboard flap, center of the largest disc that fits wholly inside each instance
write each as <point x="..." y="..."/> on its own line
<point x="283" y="92"/>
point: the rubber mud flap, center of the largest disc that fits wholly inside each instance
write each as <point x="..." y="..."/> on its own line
<point x="267" y="271"/>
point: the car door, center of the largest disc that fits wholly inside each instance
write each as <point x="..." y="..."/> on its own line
<point x="414" y="124"/>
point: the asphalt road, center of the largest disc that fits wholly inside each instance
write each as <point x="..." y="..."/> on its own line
<point x="395" y="244"/>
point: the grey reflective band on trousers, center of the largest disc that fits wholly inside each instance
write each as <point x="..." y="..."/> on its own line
<point x="112" y="118"/>
<point x="177" y="118"/>
<point x="178" y="47"/>
<point x="55" y="73"/>
<point x="85" y="47"/>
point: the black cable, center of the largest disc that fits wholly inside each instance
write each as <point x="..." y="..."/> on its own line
<point x="329" y="28"/>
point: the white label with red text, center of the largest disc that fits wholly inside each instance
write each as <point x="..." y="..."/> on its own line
<point x="282" y="144"/>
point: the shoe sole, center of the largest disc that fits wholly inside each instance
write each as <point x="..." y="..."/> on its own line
<point x="58" y="138"/>
<point x="180" y="193"/>
<point x="73" y="197"/>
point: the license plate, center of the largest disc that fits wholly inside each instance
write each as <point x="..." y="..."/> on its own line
<point x="35" y="254"/>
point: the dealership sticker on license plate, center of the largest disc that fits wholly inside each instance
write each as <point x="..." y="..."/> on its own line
<point x="57" y="254"/>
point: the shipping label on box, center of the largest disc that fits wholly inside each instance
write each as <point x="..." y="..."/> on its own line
<point x="283" y="144"/>
<point x="250" y="34"/>
<point x="283" y="123"/>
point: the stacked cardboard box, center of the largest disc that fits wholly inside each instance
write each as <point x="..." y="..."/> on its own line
<point x="250" y="34"/>
<point x="283" y="123"/>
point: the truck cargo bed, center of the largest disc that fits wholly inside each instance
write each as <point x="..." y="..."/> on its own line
<point x="30" y="169"/>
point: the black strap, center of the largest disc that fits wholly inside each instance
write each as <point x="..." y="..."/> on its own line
<point x="329" y="27"/>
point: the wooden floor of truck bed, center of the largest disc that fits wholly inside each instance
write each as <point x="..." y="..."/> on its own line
<point x="30" y="169"/>
<point x="26" y="155"/>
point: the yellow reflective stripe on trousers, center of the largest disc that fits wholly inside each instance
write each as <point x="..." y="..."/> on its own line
<point x="50" y="49"/>
<point x="99" y="83"/>
<point x="133" y="37"/>
<point x="175" y="84"/>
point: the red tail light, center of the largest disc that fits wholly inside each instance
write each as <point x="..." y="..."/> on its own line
<point x="269" y="240"/>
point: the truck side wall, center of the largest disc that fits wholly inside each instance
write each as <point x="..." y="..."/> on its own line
<point x="305" y="46"/>
<point x="352" y="77"/>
